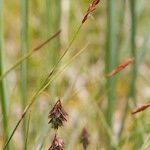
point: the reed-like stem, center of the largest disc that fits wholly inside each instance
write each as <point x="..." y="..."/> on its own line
<point x="24" y="47"/>
<point x="132" y="88"/>
<point x="110" y="63"/>
<point x="110" y="58"/>
<point x="53" y="13"/>
<point x="53" y="23"/>
<point x="44" y="85"/>
<point x="3" y="95"/>
<point x="27" y="132"/>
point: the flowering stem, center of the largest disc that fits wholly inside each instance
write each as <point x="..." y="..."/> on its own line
<point x="45" y="84"/>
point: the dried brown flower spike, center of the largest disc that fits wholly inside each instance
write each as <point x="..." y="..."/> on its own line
<point x="57" y="144"/>
<point x="121" y="67"/>
<point x="91" y="8"/>
<point x="141" y="108"/>
<point x="84" y="138"/>
<point x="57" y="115"/>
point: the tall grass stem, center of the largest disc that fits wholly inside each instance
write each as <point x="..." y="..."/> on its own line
<point x="24" y="47"/>
<point x="3" y="92"/>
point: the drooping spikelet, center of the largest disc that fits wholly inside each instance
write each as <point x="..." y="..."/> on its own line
<point x="141" y="108"/>
<point x="57" y="144"/>
<point x="57" y="115"/>
<point x="91" y="8"/>
<point x="121" y="67"/>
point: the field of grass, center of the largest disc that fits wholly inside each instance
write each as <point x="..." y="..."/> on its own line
<point x="48" y="52"/>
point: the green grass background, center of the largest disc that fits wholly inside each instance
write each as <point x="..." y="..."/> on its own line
<point x="115" y="31"/>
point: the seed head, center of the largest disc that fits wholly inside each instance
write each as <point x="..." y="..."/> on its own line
<point x="84" y="138"/>
<point x="57" y="115"/>
<point x="121" y="67"/>
<point x="57" y="144"/>
<point x="140" y="108"/>
<point x="91" y="8"/>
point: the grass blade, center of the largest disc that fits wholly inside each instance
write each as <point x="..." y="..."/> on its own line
<point x="27" y="132"/>
<point x="110" y="59"/>
<point x="110" y="62"/>
<point x="3" y="91"/>
<point x="24" y="47"/>
<point x="132" y="89"/>
<point x="28" y="55"/>
<point x="45" y="84"/>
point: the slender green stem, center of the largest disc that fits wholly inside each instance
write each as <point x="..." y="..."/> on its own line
<point x="24" y="47"/>
<point x="110" y="63"/>
<point x="53" y="23"/>
<point x="132" y="89"/>
<point x="44" y="85"/>
<point x="111" y="58"/>
<point x="33" y="98"/>
<point x="53" y="15"/>
<point x="3" y="95"/>
<point x="27" y="132"/>
<point x="28" y="55"/>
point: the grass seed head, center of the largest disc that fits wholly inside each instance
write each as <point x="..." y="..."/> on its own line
<point x="91" y="8"/>
<point x="57" y="115"/>
<point x="57" y="144"/>
<point x="142" y="107"/>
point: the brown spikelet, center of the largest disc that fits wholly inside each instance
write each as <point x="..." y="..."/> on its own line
<point x="57" y="144"/>
<point x="140" y="108"/>
<point x="121" y="67"/>
<point x="91" y="8"/>
<point x="57" y="115"/>
<point x="84" y="139"/>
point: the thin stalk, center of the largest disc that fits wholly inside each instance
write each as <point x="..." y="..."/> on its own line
<point x="110" y="63"/>
<point x="53" y="23"/>
<point x="45" y="84"/>
<point x="27" y="132"/>
<point x="28" y="55"/>
<point x="132" y="89"/>
<point x="53" y="13"/>
<point x="3" y="95"/>
<point x="24" y="47"/>
<point x="110" y="59"/>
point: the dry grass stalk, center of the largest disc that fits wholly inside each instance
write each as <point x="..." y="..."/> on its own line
<point x="141" y="108"/>
<point x="121" y="67"/>
<point x="91" y="8"/>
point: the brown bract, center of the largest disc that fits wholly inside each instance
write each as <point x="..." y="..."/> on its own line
<point x="57" y="115"/>
<point x="91" y="8"/>
<point x="57" y="144"/>
<point x="121" y="67"/>
<point x="141" y="108"/>
<point x="84" y="138"/>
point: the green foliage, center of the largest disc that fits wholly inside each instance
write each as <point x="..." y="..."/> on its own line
<point x="113" y="32"/>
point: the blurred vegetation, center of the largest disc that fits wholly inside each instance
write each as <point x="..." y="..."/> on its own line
<point x="115" y="31"/>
